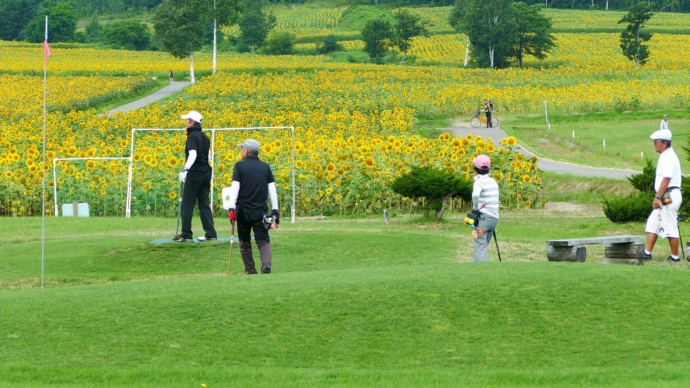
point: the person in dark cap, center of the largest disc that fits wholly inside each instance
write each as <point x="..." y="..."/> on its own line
<point x="196" y="176"/>
<point x="252" y="185"/>
<point x="663" y="222"/>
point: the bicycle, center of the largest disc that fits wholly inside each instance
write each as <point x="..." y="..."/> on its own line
<point x="479" y="120"/>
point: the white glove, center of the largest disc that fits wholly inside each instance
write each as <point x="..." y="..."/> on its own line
<point x="183" y="176"/>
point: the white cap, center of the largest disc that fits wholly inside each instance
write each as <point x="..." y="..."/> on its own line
<point x="194" y="115"/>
<point x="662" y="134"/>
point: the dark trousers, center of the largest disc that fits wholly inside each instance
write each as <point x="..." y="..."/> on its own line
<point x="248" y="221"/>
<point x="488" y="119"/>
<point x="197" y="188"/>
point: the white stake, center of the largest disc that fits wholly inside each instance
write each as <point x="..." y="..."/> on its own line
<point x="604" y="143"/>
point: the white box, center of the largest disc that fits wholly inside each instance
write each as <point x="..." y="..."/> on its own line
<point x="81" y="208"/>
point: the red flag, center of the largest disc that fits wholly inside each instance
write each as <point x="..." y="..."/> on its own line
<point x="46" y="49"/>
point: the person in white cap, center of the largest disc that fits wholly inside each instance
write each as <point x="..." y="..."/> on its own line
<point x="663" y="222"/>
<point x="196" y="176"/>
<point x="485" y="199"/>
<point x="252" y="184"/>
<point x="664" y="123"/>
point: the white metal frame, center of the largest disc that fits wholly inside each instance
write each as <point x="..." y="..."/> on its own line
<point x="55" y="160"/>
<point x="213" y="156"/>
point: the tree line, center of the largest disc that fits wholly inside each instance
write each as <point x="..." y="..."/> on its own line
<point x="499" y="33"/>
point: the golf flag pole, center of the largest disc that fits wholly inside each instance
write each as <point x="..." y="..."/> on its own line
<point x="46" y="54"/>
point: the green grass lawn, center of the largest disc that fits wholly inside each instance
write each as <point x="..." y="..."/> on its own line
<point x="350" y="303"/>
<point x="618" y="140"/>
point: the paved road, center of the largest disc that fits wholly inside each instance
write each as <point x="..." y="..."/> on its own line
<point x="174" y="87"/>
<point x="496" y="134"/>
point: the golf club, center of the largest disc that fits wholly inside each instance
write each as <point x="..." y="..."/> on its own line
<point x="679" y="219"/>
<point x="497" y="250"/>
<point x="179" y="211"/>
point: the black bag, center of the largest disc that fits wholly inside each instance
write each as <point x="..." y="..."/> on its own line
<point x="474" y="215"/>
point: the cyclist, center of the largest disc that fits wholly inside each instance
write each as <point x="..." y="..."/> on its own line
<point x="488" y="108"/>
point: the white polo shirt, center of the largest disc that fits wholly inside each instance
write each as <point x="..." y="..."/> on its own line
<point x="668" y="166"/>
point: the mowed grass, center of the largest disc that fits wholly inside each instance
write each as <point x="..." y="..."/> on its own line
<point x="611" y="139"/>
<point x="350" y="303"/>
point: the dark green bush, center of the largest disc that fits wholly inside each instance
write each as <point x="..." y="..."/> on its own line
<point x="328" y="45"/>
<point x="435" y="185"/>
<point x="280" y="43"/>
<point x="633" y="208"/>
<point x="644" y="182"/>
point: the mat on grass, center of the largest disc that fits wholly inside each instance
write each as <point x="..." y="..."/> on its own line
<point x="169" y="240"/>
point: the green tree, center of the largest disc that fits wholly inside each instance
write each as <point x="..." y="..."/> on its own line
<point x="93" y="29"/>
<point x="15" y="16"/>
<point x="436" y="186"/>
<point x="633" y="36"/>
<point x="329" y="44"/>
<point x="457" y="21"/>
<point x="377" y="35"/>
<point x="62" y="22"/>
<point x="224" y="13"/>
<point x="179" y="26"/>
<point x="533" y="32"/>
<point x="129" y="35"/>
<point x="280" y="43"/>
<point x="491" y="25"/>
<point x="255" y="24"/>
<point x="406" y="27"/>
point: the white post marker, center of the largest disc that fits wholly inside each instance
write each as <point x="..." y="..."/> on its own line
<point x="546" y="114"/>
<point x="573" y="134"/>
<point x="604" y="143"/>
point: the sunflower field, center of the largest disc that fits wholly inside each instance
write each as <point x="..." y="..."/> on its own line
<point x="356" y="125"/>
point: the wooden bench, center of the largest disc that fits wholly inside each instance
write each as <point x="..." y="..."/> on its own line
<point x="617" y="249"/>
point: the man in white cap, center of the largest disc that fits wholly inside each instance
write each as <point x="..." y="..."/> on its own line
<point x="196" y="176"/>
<point x="664" y="123"/>
<point x="252" y="185"/>
<point x="485" y="198"/>
<point x="663" y="222"/>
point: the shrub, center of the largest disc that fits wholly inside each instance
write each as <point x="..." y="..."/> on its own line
<point x="437" y="186"/>
<point x="644" y="182"/>
<point x="129" y="35"/>
<point x="280" y="43"/>
<point x="328" y="45"/>
<point x="633" y="208"/>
